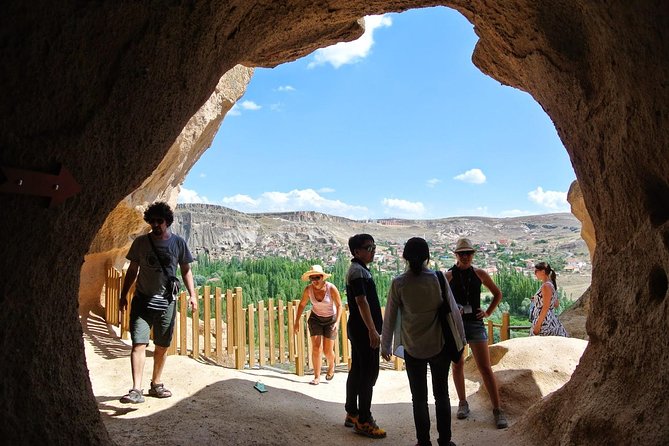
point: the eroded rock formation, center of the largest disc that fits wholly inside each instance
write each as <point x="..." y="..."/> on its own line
<point x="105" y="89"/>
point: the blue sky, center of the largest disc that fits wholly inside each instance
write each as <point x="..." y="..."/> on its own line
<point x="399" y="123"/>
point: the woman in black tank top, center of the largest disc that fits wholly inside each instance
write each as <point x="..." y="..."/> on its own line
<point x="465" y="281"/>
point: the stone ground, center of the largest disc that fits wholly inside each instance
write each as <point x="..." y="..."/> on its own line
<point x="213" y="405"/>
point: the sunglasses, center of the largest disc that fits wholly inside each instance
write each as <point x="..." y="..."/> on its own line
<point x="369" y="248"/>
<point x="315" y="278"/>
<point x="159" y="221"/>
<point x="464" y="253"/>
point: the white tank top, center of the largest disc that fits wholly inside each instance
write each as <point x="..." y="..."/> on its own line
<point x="325" y="307"/>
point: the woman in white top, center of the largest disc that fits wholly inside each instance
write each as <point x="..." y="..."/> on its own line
<point x="323" y="321"/>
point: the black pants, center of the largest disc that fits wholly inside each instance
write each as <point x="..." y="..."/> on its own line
<point x="361" y="378"/>
<point x="417" y="374"/>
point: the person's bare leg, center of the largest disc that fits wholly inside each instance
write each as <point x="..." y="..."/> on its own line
<point x="482" y="358"/>
<point x="137" y="360"/>
<point x="159" y="356"/>
<point x="316" y="357"/>
<point x="328" y="349"/>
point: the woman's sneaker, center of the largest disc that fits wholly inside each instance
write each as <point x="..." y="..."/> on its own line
<point x="369" y="429"/>
<point x="500" y="419"/>
<point x="463" y="410"/>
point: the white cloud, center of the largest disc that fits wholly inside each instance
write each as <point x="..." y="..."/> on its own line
<point x="240" y="200"/>
<point x="433" y="182"/>
<point x="403" y="208"/>
<point x="249" y="105"/>
<point x="515" y="213"/>
<point x="190" y="196"/>
<point x="295" y="200"/>
<point x="553" y="200"/>
<point x="203" y="175"/>
<point x="474" y="176"/>
<point x="234" y="111"/>
<point x="286" y="88"/>
<point x="351" y="52"/>
<point x="326" y="190"/>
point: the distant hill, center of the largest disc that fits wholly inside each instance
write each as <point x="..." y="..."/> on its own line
<point x="224" y="233"/>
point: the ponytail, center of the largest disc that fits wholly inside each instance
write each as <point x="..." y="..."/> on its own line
<point x="546" y="267"/>
<point x="416" y="252"/>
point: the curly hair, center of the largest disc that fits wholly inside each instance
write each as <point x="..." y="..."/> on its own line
<point x="159" y="209"/>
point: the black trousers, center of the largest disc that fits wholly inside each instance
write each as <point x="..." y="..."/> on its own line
<point x="361" y="378"/>
<point x="417" y="374"/>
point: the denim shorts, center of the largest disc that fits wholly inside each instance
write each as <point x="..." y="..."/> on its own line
<point x="142" y="319"/>
<point x="475" y="331"/>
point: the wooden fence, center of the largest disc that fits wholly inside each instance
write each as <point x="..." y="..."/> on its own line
<point x="261" y="334"/>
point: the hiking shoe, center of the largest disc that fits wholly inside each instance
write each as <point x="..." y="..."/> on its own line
<point x="159" y="391"/>
<point x="369" y="429"/>
<point x="350" y="420"/>
<point x="463" y="410"/>
<point x="500" y="419"/>
<point x="133" y="396"/>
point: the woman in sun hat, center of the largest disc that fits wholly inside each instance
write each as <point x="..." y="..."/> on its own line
<point x="465" y="281"/>
<point x="324" y="318"/>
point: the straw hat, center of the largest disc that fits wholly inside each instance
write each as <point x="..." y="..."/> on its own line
<point x="316" y="270"/>
<point x="464" y="244"/>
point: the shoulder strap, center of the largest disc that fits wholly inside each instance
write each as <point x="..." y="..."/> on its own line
<point x="442" y="285"/>
<point x="157" y="255"/>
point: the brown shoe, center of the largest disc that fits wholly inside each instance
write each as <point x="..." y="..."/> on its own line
<point x="369" y="429"/>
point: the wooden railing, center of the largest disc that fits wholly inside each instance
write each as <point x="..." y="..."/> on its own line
<point x="259" y="335"/>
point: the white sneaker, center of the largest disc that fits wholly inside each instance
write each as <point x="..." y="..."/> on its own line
<point x="463" y="410"/>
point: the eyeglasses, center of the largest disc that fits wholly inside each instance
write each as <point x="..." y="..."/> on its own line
<point x="159" y="221"/>
<point x="464" y="253"/>
<point x="369" y="248"/>
<point x="315" y="278"/>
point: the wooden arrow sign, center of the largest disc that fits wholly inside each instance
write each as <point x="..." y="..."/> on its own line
<point x="57" y="187"/>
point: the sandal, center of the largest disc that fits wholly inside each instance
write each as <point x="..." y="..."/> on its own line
<point x="314" y="382"/>
<point x="134" y="396"/>
<point x="159" y="391"/>
<point x="329" y="375"/>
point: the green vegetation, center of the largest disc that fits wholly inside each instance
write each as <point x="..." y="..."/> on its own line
<point x="279" y="278"/>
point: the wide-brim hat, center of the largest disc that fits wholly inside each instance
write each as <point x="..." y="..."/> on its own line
<point x="464" y="244"/>
<point x="316" y="270"/>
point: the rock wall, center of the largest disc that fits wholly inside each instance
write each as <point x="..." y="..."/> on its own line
<point x="105" y="89"/>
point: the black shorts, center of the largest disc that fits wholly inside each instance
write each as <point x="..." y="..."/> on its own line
<point x="322" y="326"/>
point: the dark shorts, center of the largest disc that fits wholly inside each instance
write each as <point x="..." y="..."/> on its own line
<point x="143" y="319"/>
<point x="475" y="331"/>
<point x="322" y="326"/>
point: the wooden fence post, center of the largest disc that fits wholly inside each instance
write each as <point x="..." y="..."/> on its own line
<point x="240" y="357"/>
<point x="252" y="342"/>
<point x="282" y="329"/>
<point x="491" y="332"/>
<point x="261" y="333"/>
<point x="172" y="349"/>
<point x="291" y="332"/>
<point x="270" y="324"/>
<point x="183" y="325"/>
<point x="344" y="337"/>
<point x="195" y="327"/>
<point x="219" y="325"/>
<point x="230" y="321"/>
<point x="505" y="332"/>
<point x="299" y="356"/>
<point x="206" y="302"/>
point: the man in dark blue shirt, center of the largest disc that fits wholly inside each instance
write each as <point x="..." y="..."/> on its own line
<point x="364" y="328"/>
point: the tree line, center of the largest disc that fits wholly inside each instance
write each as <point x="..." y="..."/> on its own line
<point x="279" y="278"/>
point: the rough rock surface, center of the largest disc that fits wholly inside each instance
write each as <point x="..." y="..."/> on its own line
<point x="105" y="88"/>
<point x="125" y="222"/>
<point x="575" y="199"/>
